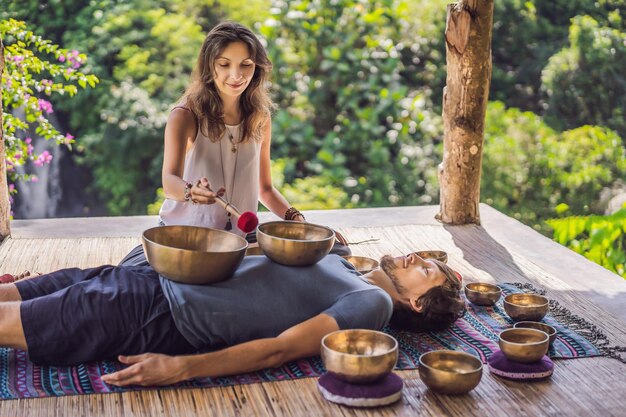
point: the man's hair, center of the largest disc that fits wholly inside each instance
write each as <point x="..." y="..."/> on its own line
<point x="441" y="306"/>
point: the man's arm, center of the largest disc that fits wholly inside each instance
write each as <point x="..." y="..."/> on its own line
<point x="299" y="341"/>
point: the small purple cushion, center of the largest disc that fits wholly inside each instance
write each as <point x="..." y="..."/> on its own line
<point x="382" y="392"/>
<point x="504" y="367"/>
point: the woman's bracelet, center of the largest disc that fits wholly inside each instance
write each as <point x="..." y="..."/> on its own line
<point x="187" y="194"/>
<point x="292" y="213"/>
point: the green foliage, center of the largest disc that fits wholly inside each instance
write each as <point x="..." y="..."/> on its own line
<point x="585" y="82"/>
<point x="528" y="168"/>
<point x="526" y="33"/>
<point x="310" y="193"/>
<point x="36" y="71"/>
<point x="601" y="239"/>
<point x="345" y="114"/>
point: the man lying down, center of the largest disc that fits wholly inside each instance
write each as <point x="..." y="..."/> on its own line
<point x="263" y="316"/>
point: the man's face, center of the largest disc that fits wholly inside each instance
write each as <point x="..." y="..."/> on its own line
<point x="411" y="275"/>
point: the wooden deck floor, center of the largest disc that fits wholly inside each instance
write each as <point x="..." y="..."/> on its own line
<point x="501" y="250"/>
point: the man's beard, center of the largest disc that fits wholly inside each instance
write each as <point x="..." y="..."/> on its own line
<point x="389" y="267"/>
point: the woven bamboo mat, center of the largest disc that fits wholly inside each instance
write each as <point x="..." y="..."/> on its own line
<point x="581" y="387"/>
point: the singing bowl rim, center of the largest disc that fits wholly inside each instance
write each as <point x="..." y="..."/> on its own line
<point x="375" y="263"/>
<point x="467" y="288"/>
<point x="169" y="227"/>
<point x="394" y="348"/>
<point x="318" y="226"/>
<point x="439" y="254"/>
<point x="507" y="300"/>
<point x="454" y="353"/>
<point x="522" y="330"/>
<point x="528" y="324"/>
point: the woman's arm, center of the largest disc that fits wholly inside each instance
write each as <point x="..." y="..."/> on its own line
<point x="180" y="133"/>
<point x="299" y="341"/>
<point x="269" y="196"/>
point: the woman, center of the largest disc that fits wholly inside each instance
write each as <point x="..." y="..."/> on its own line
<point x="218" y="138"/>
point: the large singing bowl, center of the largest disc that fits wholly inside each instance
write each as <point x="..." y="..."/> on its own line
<point x="193" y="255"/>
<point x="295" y="243"/>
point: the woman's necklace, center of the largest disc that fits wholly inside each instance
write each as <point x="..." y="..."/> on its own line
<point x="233" y="145"/>
<point x="229" y="224"/>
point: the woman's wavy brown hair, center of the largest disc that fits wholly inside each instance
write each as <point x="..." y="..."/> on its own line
<point x="441" y="306"/>
<point x="202" y="97"/>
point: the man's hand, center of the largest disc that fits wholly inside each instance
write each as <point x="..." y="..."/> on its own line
<point x="148" y="369"/>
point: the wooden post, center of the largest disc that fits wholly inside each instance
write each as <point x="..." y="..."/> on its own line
<point x="5" y="205"/>
<point x="468" y="59"/>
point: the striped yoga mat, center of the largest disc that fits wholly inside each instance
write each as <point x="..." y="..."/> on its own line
<point x="476" y="333"/>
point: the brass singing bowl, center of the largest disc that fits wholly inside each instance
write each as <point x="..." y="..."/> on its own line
<point x="193" y="255"/>
<point x="363" y="264"/>
<point x="482" y="294"/>
<point x="546" y="328"/>
<point x="449" y="371"/>
<point x="523" y="345"/>
<point x="439" y="255"/>
<point x="359" y="355"/>
<point x="254" y="250"/>
<point x="295" y="243"/>
<point x="526" y="307"/>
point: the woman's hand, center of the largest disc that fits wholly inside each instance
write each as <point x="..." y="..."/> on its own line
<point x="201" y="192"/>
<point x="148" y="369"/>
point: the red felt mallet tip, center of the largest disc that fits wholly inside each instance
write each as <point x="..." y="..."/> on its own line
<point x="247" y="222"/>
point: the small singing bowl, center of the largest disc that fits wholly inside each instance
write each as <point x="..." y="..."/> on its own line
<point x="359" y="355"/>
<point x="524" y="345"/>
<point x="193" y="255"/>
<point x="439" y="255"/>
<point x="526" y="307"/>
<point x="254" y="250"/>
<point x="482" y="294"/>
<point x="549" y="330"/>
<point x="363" y="264"/>
<point x="295" y="243"/>
<point x="449" y="371"/>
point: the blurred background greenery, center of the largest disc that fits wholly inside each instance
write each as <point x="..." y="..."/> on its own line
<point x="358" y="84"/>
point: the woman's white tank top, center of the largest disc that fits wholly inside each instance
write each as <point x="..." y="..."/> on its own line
<point x="206" y="159"/>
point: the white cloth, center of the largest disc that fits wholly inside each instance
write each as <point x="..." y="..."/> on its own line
<point x="203" y="160"/>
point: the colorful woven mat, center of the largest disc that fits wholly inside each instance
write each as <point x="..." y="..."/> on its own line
<point x="476" y="332"/>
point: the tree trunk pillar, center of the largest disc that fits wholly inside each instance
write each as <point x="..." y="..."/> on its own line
<point x="5" y="205"/>
<point x="468" y="60"/>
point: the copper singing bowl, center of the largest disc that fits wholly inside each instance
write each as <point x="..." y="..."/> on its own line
<point x="439" y="255"/>
<point x="359" y="355"/>
<point x="524" y="345"/>
<point x="449" y="371"/>
<point x="193" y="255"/>
<point x="363" y="264"/>
<point x="549" y="330"/>
<point x="526" y="307"/>
<point x="482" y="294"/>
<point x="295" y="243"/>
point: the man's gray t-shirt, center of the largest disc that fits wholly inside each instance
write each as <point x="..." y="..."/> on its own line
<point x="263" y="299"/>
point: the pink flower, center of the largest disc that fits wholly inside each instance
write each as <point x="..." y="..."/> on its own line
<point x="28" y="140"/>
<point x="62" y="58"/>
<point x="45" y="106"/>
<point x="68" y="139"/>
<point x="44" y="158"/>
<point x="18" y="59"/>
<point x="11" y="188"/>
<point x="74" y="52"/>
<point x="18" y="156"/>
<point x="29" y="149"/>
<point x="34" y="178"/>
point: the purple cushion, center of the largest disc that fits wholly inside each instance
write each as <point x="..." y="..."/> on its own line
<point x="384" y="391"/>
<point x="504" y="367"/>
